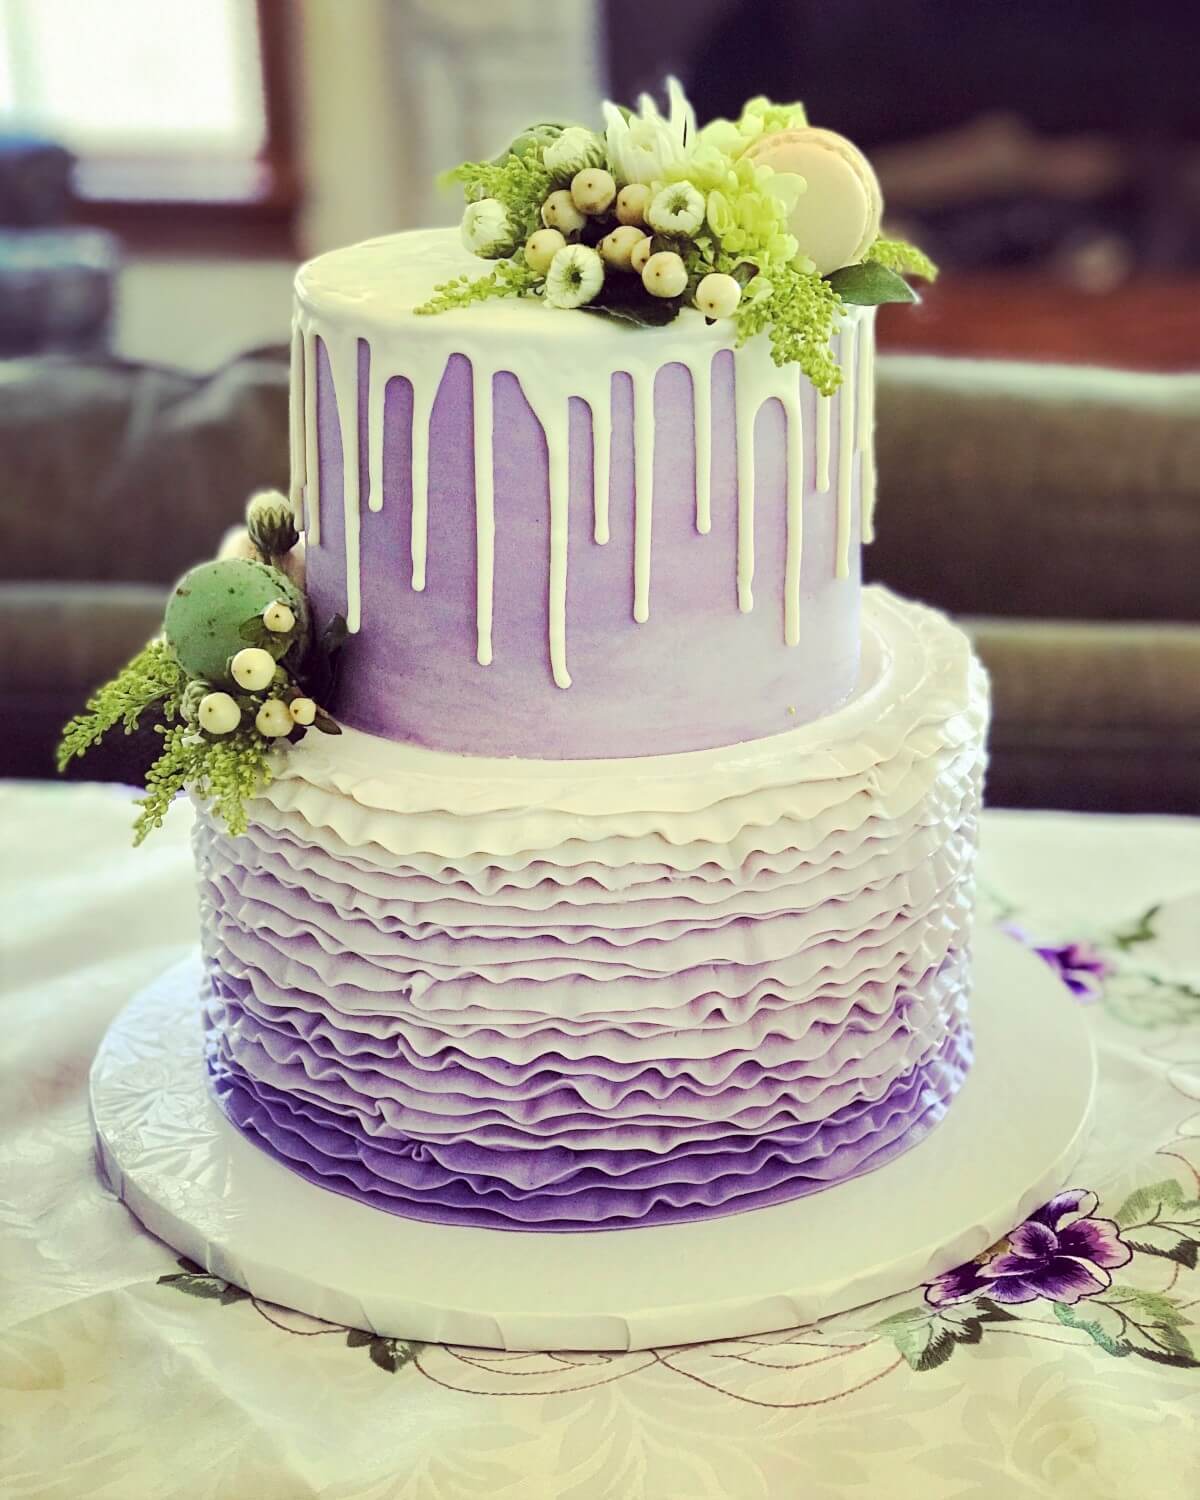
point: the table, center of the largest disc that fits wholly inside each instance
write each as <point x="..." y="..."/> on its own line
<point x="1069" y="1365"/>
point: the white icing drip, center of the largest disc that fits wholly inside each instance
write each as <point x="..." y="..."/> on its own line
<point x="643" y="497"/>
<point x="700" y="369"/>
<point x="845" y="478"/>
<point x="312" y="456"/>
<point x="795" y="520"/>
<point x="485" y="516"/>
<point x="866" y="427"/>
<point x="376" y="413"/>
<point x="558" y="437"/>
<point x="824" y="413"/>
<point x="747" y="402"/>
<point x="424" y="395"/>
<point x="342" y="350"/>
<point x="601" y="409"/>
<point x="564" y="368"/>
<point x="296" y="425"/>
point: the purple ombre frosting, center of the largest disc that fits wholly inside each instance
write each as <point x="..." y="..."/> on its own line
<point x="527" y="1019"/>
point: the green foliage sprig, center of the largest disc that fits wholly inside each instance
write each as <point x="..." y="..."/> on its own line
<point x="520" y="182"/>
<point x="510" y="278"/>
<point x="796" y="310"/>
<point x="223" y="771"/>
<point x="152" y="677"/>
<point x="903" y="258"/>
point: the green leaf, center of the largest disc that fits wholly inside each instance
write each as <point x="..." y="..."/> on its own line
<point x="870" y="285"/>
<point x="1158" y="1202"/>
<point x="325" y="724"/>
<point x="1104" y="1327"/>
<point x="1128" y="1320"/>
<point x="357" y="1337"/>
<point x="1158" y="1239"/>
<point x="1142" y="931"/>
<point x="927" y="1339"/>
<point x="992" y="1312"/>
<point x="391" y="1355"/>
<point x="195" y="1281"/>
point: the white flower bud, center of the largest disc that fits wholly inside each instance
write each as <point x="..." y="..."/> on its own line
<point x="252" y="668"/>
<point x="640" y="254"/>
<point x="718" y="295"/>
<point x="576" y="274"/>
<point x="664" y="274"/>
<point x="575" y="150"/>
<point x="279" y="617"/>
<point x="559" y="212"/>
<point x="303" y="711"/>
<point x="487" y="230"/>
<point x="678" y="209"/>
<point x="541" y="248"/>
<point x="632" y="203"/>
<point x="592" y="190"/>
<point x="618" y="246"/>
<point x="218" y="713"/>
<point x="273" y="719"/>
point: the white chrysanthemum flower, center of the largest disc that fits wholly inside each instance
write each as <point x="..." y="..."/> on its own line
<point x="575" y="150"/>
<point x="487" y="230"/>
<point x="645" y="147"/>
<point x="576" y="274"/>
<point x="678" y="209"/>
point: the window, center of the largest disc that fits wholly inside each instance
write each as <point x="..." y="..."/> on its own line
<point x="163" y="101"/>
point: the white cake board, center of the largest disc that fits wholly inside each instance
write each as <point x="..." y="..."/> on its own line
<point x="1006" y="1145"/>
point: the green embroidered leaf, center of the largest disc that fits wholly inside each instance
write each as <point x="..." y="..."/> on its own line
<point x="1160" y="1220"/>
<point x="1144" y="1000"/>
<point x="1142" y="931"/>
<point x="870" y="285"/>
<point x="1128" y="1320"/>
<point x="927" y="1339"/>
<point x="1104" y="1326"/>
<point x="391" y="1355"/>
<point x="197" y="1282"/>
<point x="992" y="1312"/>
<point x="357" y="1337"/>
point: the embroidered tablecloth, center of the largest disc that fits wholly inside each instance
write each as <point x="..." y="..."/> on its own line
<point x="1064" y="1363"/>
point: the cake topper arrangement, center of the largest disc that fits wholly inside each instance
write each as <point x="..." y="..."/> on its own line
<point x="765" y="220"/>
<point x="236" y="674"/>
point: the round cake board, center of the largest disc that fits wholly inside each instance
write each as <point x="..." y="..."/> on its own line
<point x="1007" y="1144"/>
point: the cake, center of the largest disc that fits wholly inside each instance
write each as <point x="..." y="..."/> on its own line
<point x="637" y="885"/>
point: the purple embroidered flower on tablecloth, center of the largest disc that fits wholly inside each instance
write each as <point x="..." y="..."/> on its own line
<point x="1080" y="966"/>
<point x="1060" y="1253"/>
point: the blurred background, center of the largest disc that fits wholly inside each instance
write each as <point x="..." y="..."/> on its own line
<point x="164" y="164"/>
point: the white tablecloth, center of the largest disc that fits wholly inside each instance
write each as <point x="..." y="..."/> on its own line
<point x="124" y="1375"/>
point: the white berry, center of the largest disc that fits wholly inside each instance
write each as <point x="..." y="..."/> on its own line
<point x="279" y="617"/>
<point x="273" y="719"/>
<point x="617" y="247"/>
<point x="718" y="295"/>
<point x="592" y="190"/>
<point x="541" y="247"/>
<point x="302" y="710"/>
<point x="641" y="253"/>
<point x="218" y="713"/>
<point x="559" y="212"/>
<point x="664" y="274"/>
<point x="253" y="668"/>
<point x="632" y="203"/>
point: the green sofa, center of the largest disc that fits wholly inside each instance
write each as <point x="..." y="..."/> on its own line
<point x="1056" y="511"/>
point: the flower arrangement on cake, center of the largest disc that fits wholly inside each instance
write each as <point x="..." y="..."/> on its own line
<point x="765" y="220"/>
<point x="236" y="673"/>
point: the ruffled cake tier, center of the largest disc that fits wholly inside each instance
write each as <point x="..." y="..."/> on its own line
<point x="579" y="995"/>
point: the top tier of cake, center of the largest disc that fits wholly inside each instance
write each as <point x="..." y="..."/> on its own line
<point x="563" y="537"/>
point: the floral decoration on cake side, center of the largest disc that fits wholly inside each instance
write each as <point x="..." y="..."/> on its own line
<point x="236" y="675"/>
<point x="765" y="221"/>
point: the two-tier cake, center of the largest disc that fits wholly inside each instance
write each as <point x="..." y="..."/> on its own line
<point x="637" y="886"/>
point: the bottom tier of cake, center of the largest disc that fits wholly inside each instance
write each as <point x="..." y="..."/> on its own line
<point x="581" y="995"/>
